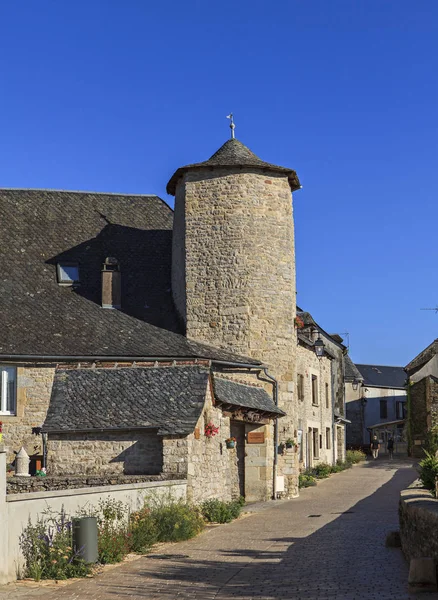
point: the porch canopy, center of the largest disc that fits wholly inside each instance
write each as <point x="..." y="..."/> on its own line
<point x="251" y="402"/>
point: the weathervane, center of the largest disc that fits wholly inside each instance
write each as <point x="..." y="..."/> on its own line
<point x="435" y="309"/>
<point x="232" y="126"/>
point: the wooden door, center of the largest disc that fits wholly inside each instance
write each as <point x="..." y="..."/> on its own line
<point x="238" y="431"/>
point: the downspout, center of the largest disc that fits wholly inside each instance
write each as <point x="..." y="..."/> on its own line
<point x="44" y="437"/>
<point x="275" y="466"/>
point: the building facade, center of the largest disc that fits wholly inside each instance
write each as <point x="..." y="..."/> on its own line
<point x="377" y="405"/>
<point x="132" y="332"/>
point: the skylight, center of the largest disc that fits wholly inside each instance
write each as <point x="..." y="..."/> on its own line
<point x="68" y="273"/>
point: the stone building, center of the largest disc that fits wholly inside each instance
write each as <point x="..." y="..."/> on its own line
<point x="320" y="394"/>
<point x="376" y="405"/>
<point x="129" y="329"/>
<point x="422" y="372"/>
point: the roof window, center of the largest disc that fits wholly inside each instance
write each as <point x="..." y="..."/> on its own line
<point x="68" y="273"/>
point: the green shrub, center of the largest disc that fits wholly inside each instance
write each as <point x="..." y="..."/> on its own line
<point x="431" y="441"/>
<point x="217" y="511"/>
<point x="354" y="456"/>
<point x="322" y="470"/>
<point x="47" y="548"/>
<point x="306" y="480"/>
<point x="428" y="471"/>
<point x="113" y="543"/>
<point x="144" y="532"/>
<point x="177" y="521"/>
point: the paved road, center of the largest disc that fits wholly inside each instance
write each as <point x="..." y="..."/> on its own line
<point x="327" y="544"/>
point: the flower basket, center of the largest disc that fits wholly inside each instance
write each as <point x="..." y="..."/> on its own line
<point x="230" y="443"/>
<point x="211" y="430"/>
<point x="299" y="323"/>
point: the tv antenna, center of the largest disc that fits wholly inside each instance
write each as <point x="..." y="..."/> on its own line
<point x="435" y="309"/>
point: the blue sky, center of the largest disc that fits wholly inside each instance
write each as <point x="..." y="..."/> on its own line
<point x="114" y="95"/>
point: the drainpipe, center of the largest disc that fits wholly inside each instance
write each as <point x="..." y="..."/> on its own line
<point x="44" y="436"/>
<point x="275" y="466"/>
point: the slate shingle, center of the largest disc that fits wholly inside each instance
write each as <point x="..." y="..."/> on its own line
<point x="169" y="399"/>
<point x="247" y="396"/>
<point x="233" y="154"/>
<point x="40" y="318"/>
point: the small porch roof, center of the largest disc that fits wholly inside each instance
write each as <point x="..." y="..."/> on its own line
<point x="384" y="424"/>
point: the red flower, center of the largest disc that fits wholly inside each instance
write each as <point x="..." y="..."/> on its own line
<point x="211" y="430"/>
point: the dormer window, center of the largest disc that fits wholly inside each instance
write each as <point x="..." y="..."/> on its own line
<point x="68" y="273"/>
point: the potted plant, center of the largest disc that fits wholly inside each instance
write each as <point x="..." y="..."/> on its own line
<point x="289" y="443"/>
<point x="231" y="442"/>
<point x="211" y="430"/>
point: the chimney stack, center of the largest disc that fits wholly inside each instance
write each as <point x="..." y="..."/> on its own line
<point x="111" y="284"/>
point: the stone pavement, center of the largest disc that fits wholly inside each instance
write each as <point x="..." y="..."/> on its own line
<point x="327" y="544"/>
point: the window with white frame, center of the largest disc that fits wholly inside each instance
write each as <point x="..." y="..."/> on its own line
<point x="8" y="390"/>
<point x="315" y="399"/>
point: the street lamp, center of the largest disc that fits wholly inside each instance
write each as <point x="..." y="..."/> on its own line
<point x="319" y="347"/>
<point x="355" y="385"/>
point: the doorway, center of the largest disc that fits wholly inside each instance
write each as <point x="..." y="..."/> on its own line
<point x="238" y="431"/>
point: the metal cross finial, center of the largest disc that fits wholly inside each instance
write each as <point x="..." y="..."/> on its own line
<point x="232" y="126"/>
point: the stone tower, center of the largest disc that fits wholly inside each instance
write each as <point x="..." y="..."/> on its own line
<point x="233" y="261"/>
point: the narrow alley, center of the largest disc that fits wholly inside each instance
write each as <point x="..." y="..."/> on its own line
<point x="328" y="543"/>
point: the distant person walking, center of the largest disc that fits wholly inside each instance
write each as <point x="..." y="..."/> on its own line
<point x="391" y="447"/>
<point x="375" y="446"/>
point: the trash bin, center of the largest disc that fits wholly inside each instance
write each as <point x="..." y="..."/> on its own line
<point x="85" y="538"/>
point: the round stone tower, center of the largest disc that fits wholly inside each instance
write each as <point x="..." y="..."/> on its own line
<point x="233" y="261"/>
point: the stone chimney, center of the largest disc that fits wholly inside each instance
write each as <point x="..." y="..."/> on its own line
<point x="111" y="284"/>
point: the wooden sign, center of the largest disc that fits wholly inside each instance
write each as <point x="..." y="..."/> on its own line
<point x="256" y="437"/>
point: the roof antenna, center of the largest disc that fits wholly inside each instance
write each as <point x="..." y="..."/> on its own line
<point x="435" y="309"/>
<point x="232" y="126"/>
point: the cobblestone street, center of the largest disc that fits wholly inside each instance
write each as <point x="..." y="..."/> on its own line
<point x="329" y="543"/>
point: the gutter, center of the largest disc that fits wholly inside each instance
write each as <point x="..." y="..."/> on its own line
<point x="275" y="466"/>
<point x="118" y="358"/>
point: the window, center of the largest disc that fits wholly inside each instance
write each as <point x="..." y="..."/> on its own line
<point x="300" y="387"/>
<point x="328" y="438"/>
<point x="400" y="410"/>
<point x="315" y="390"/>
<point x="68" y="273"/>
<point x="327" y="399"/>
<point x="8" y="394"/>
<point x="315" y="444"/>
<point x="383" y="409"/>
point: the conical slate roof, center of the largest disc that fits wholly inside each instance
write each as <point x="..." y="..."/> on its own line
<point x="233" y="154"/>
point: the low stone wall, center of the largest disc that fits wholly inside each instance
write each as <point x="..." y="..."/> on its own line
<point x="17" y="509"/>
<point x="24" y="485"/>
<point x="418" y="514"/>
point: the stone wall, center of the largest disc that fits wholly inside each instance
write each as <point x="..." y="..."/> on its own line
<point x="108" y="452"/>
<point x="24" y="485"/>
<point x="34" y="386"/>
<point x="418" y="514"/>
<point x="210" y="468"/>
<point x="288" y="462"/>
<point x="355" y="414"/>
<point x="309" y="416"/>
<point x="234" y="245"/>
<point x="423" y="412"/>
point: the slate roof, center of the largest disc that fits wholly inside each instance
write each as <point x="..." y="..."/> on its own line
<point x="247" y="396"/>
<point x="233" y="154"/>
<point x="422" y="358"/>
<point x="350" y="370"/>
<point x="41" y="318"/>
<point x="382" y="376"/>
<point x="169" y="399"/>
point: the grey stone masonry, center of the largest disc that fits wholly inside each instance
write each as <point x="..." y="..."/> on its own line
<point x="233" y="272"/>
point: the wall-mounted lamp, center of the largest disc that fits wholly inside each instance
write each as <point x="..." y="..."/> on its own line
<point x="355" y="384"/>
<point x="319" y="347"/>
